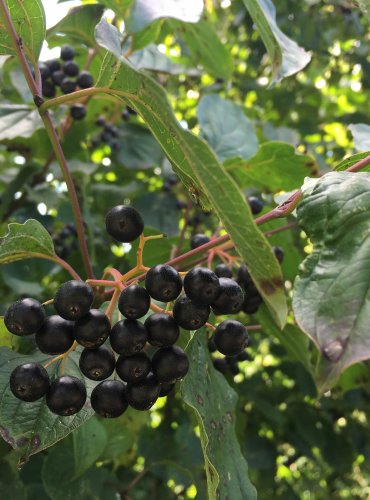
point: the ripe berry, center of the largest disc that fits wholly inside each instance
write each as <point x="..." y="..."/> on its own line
<point x="198" y="240"/>
<point x="53" y="65"/>
<point x="97" y="364"/>
<point x="58" y="76"/>
<point x="124" y="223"/>
<point x="255" y="204"/>
<point x="48" y="89"/>
<point x="244" y="278"/>
<point x="68" y="86"/>
<point x="211" y="345"/>
<point x="279" y="253"/>
<point x="55" y="336"/>
<point x="201" y="285"/>
<point x="143" y="394"/>
<point x="67" y="53"/>
<point x="133" y="368"/>
<point x="162" y="329"/>
<point x="134" y="302"/>
<point x="166" y="389"/>
<point x="78" y="111"/>
<point x="100" y="121"/>
<point x="231" y="337"/>
<point x="73" y="299"/>
<point x="44" y="71"/>
<point x="230" y="299"/>
<point x="85" y="80"/>
<point x="24" y="317"/>
<point x="221" y="365"/>
<point x="252" y="303"/>
<point x="189" y="315"/>
<point x="163" y="283"/>
<point x="71" y="68"/>
<point x="66" y="396"/>
<point x="125" y="115"/>
<point x="128" y="337"/>
<point x="29" y="382"/>
<point x="170" y="364"/>
<point x="223" y="271"/>
<point x="131" y="111"/>
<point x="108" y="399"/>
<point x="232" y="364"/>
<point x="92" y="330"/>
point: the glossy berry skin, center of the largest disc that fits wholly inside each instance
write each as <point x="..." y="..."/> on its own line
<point x="78" y="111"/>
<point x="53" y="65"/>
<point x="24" y="317"/>
<point x="231" y="337"/>
<point x="85" y="80"/>
<point x="128" y="337"/>
<point x="56" y="335"/>
<point x="255" y="205"/>
<point x="29" y="382"/>
<point x="170" y="364"/>
<point x="68" y="86"/>
<point x="124" y="223"/>
<point x="202" y="285"/>
<point x="66" y="396"/>
<point x="230" y="299"/>
<point x="58" y="76"/>
<point x="251" y="304"/>
<point x="97" y="364"/>
<point x="166" y="389"/>
<point x="108" y="399"/>
<point x="44" y="71"/>
<point x="198" y="240"/>
<point x="93" y="329"/>
<point x="279" y="253"/>
<point x="162" y="330"/>
<point x="133" y="368"/>
<point x="67" y="53"/>
<point x="221" y="365"/>
<point x="134" y="302"/>
<point x="73" y="299"/>
<point x="244" y="278"/>
<point x="163" y="283"/>
<point x="189" y="315"/>
<point x="223" y="271"/>
<point x="48" y="89"/>
<point x="71" y="68"/>
<point x="143" y="394"/>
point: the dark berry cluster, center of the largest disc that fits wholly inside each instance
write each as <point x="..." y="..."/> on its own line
<point x="108" y="135"/>
<point x="65" y="241"/>
<point x="65" y="74"/>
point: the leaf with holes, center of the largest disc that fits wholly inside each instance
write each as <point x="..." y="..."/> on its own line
<point x="331" y="298"/>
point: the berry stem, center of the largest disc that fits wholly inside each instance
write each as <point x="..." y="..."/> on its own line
<point x="112" y="304"/>
<point x="63" y="357"/>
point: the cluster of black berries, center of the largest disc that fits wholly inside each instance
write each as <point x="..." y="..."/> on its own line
<point x="65" y="74"/>
<point x="109" y="135"/>
<point x="65" y="241"/>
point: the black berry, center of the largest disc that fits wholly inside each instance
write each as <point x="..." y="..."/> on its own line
<point x="108" y="399"/>
<point x="223" y="271"/>
<point x="221" y="365"/>
<point x="124" y="223"/>
<point x="92" y="330"/>
<point x="66" y="396"/>
<point x="230" y="299"/>
<point x="163" y="283"/>
<point x="73" y="299"/>
<point x="244" y="278"/>
<point x="133" y="368"/>
<point x="56" y="335"/>
<point x="85" y="80"/>
<point x="97" y="364"/>
<point x="143" y="394"/>
<point x="53" y="65"/>
<point x="252" y="303"/>
<point x="78" y="111"/>
<point x="24" y="317"/>
<point x="67" y="53"/>
<point x="100" y="121"/>
<point x="134" y="302"/>
<point x="128" y="337"/>
<point x="58" y="76"/>
<point x="71" y="68"/>
<point x="48" y="89"/>
<point x="202" y="285"/>
<point x="279" y="253"/>
<point x="170" y="364"/>
<point x="189" y="315"/>
<point x="44" y="71"/>
<point x="255" y="204"/>
<point x="166" y="389"/>
<point x="231" y="337"/>
<point x="162" y="330"/>
<point x="198" y="240"/>
<point x="29" y="382"/>
<point x="68" y="86"/>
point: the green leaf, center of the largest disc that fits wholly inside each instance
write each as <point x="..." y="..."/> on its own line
<point x="275" y="167"/>
<point x="18" y="121"/>
<point x="79" y="24"/>
<point x="226" y="128"/>
<point x="213" y="402"/>
<point x="361" y="136"/>
<point x="119" y="6"/>
<point x="160" y="212"/>
<point x="351" y="160"/>
<point x="286" y="56"/>
<point x="6" y="338"/>
<point x="29" y="21"/>
<point x="138" y="148"/>
<point x="22" y="177"/>
<point x="331" y="298"/>
<point x="31" y="427"/>
<point x="89" y="441"/>
<point x="365" y="7"/>
<point x="147" y="11"/>
<point x="25" y="241"/>
<point x="152" y="59"/>
<point x="205" y="47"/>
<point x="198" y="168"/>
